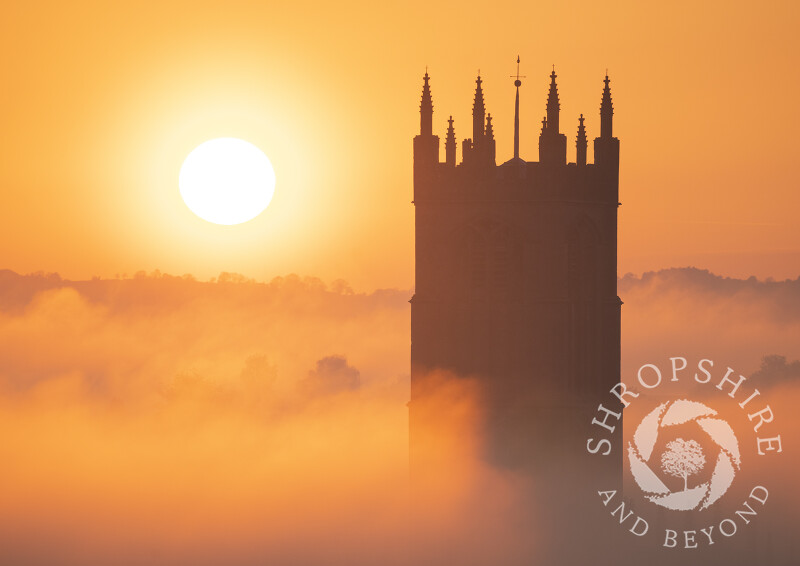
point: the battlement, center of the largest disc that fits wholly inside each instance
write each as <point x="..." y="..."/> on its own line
<point x="478" y="177"/>
<point x="518" y="182"/>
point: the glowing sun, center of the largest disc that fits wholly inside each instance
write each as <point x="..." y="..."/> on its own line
<point x="227" y="181"/>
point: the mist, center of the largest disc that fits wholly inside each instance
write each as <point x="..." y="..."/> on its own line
<point x="164" y="420"/>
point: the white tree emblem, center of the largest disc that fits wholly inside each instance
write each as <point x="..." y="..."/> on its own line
<point x="682" y="459"/>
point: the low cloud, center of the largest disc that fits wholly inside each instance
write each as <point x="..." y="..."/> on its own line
<point x="161" y="419"/>
<point x="693" y="313"/>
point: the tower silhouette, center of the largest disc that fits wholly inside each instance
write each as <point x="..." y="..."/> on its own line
<point x="516" y="271"/>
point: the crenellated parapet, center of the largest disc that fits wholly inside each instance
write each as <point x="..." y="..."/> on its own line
<point x="478" y="176"/>
<point x="519" y="182"/>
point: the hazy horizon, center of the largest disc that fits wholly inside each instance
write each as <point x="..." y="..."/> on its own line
<point x="97" y="123"/>
<point x="233" y="422"/>
<point x="343" y="284"/>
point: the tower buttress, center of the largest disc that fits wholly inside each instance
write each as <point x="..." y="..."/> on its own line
<point x="426" y="109"/>
<point x="478" y="115"/>
<point x="552" y="143"/>
<point x="450" y="144"/>
<point x="426" y="145"/>
<point x="490" y="142"/>
<point x="553" y="105"/>
<point x="606" y="112"/>
<point x="606" y="147"/>
<point x="581" y="143"/>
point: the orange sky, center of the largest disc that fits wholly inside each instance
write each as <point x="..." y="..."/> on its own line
<point x="101" y="102"/>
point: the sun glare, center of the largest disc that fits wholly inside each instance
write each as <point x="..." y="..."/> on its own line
<point x="227" y="181"/>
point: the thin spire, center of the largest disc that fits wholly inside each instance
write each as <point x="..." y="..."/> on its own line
<point x="478" y="114"/>
<point x="581" y="143"/>
<point x="450" y="144"/>
<point x="553" y="105"/>
<point x="489" y="128"/>
<point x="606" y="111"/>
<point x="426" y="108"/>
<point x="517" y="83"/>
<point x="544" y="124"/>
<point x="516" y="125"/>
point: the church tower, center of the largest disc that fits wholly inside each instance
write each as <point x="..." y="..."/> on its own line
<point x="516" y="277"/>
